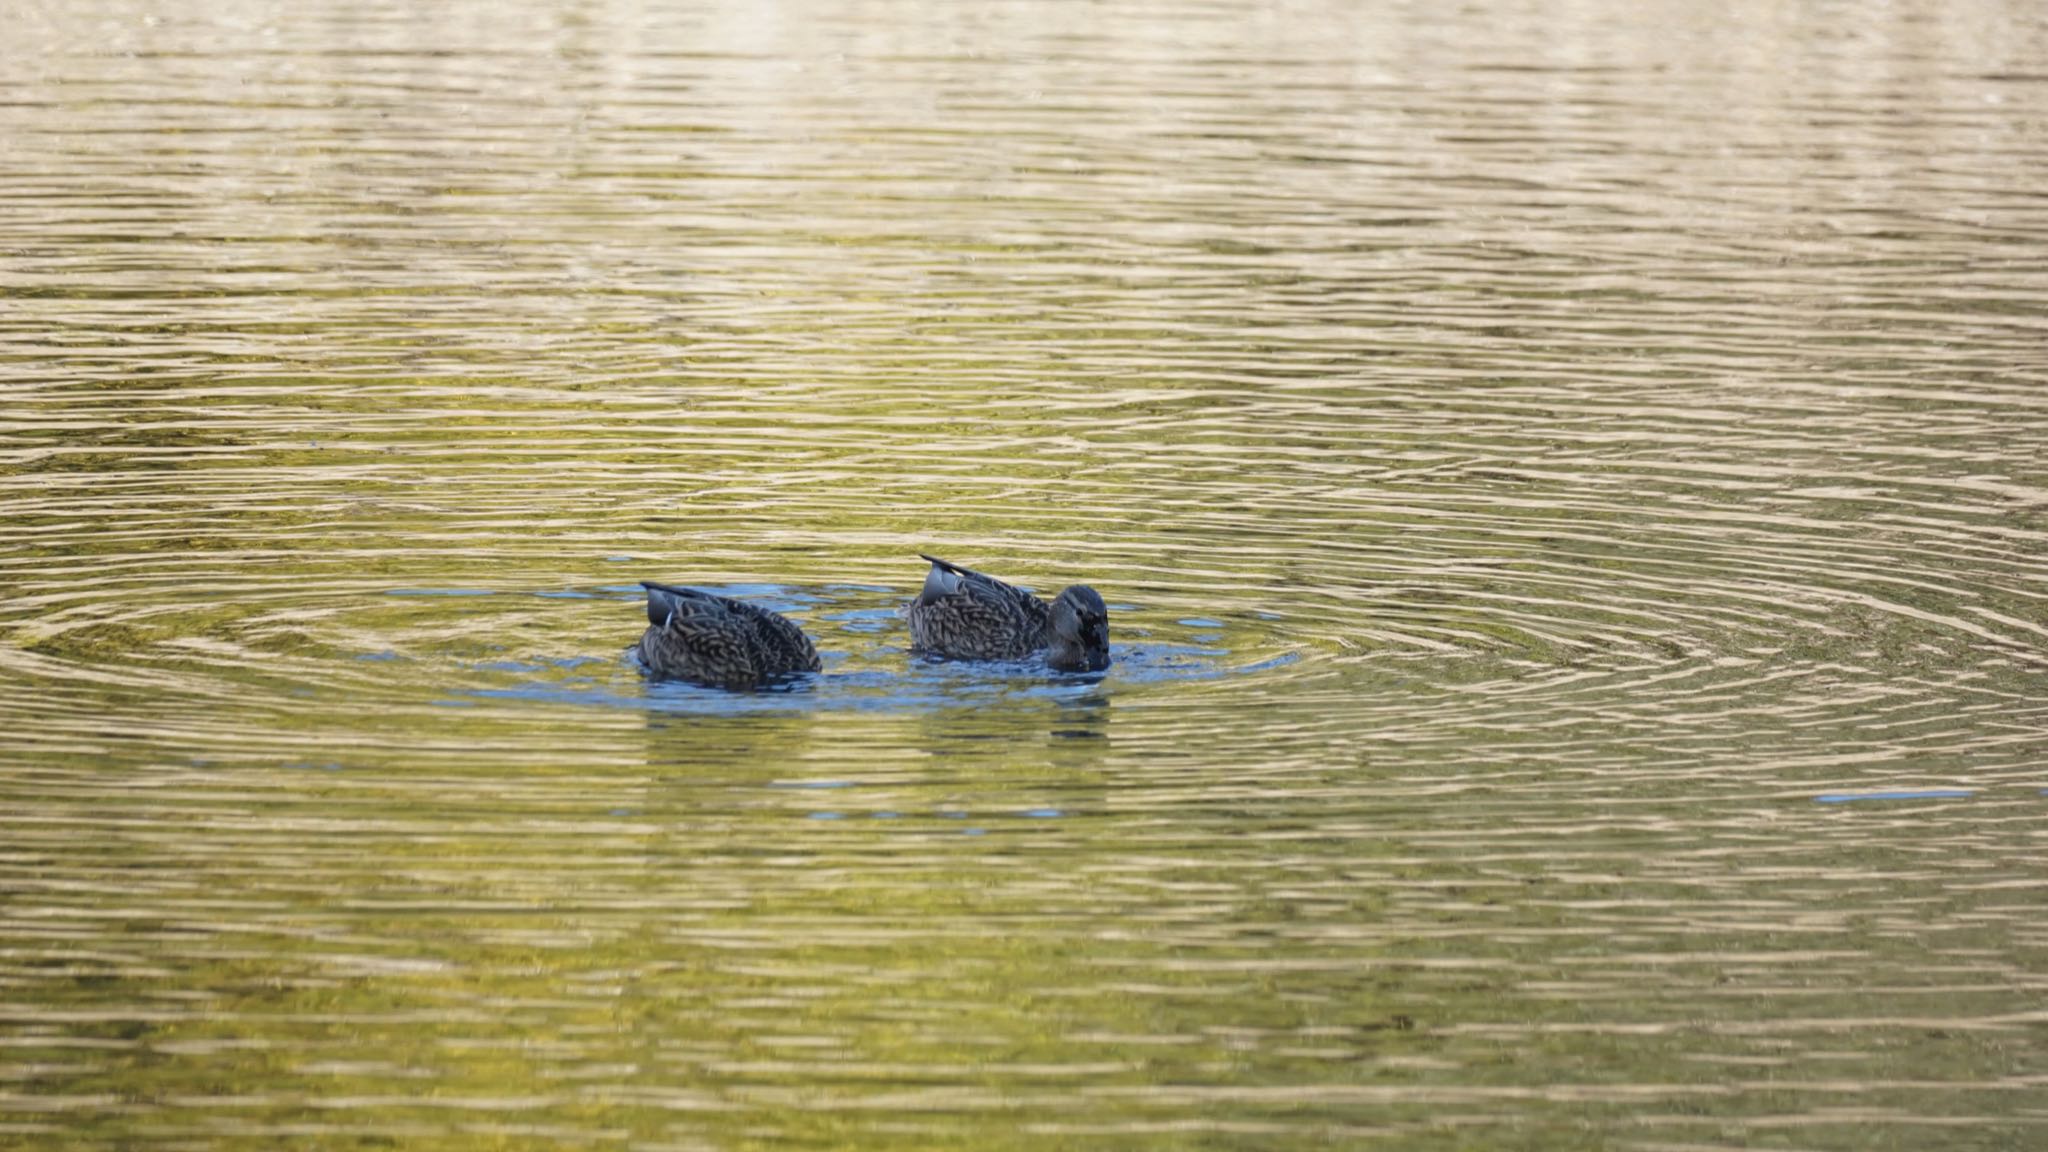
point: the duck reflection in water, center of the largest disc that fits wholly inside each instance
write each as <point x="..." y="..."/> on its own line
<point x="1082" y="718"/>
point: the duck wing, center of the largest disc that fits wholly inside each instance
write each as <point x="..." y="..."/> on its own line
<point x="949" y="579"/>
<point x="971" y="615"/>
<point x="731" y="640"/>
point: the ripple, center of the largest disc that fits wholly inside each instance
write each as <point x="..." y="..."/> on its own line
<point x="1567" y="479"/>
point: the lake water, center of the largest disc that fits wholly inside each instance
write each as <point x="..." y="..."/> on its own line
<point x="1571" y="479"/>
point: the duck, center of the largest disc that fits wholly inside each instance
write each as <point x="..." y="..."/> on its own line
<point x="962" y="614"/>
<point x="719" y="642"/>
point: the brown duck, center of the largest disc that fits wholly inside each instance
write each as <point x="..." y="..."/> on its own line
<point x="718" y="641"/>
<point x="964" y="615"/>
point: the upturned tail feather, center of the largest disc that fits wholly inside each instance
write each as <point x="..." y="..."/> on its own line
<point x="661" y="597"/>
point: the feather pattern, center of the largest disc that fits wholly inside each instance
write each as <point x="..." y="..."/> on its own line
<point x="718" y="641"/>
<point x="966" y="615"/>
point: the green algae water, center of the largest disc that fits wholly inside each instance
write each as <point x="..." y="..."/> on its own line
<point x="1571" y="483"/>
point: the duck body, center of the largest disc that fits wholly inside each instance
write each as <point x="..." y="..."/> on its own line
<point x="962" y="614"/>
<point x="719" y="642"/>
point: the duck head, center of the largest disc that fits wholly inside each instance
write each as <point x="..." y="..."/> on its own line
<point x="1080" y="631"/>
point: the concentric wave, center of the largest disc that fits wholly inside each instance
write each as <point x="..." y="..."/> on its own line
<point x="1534" y="452"/>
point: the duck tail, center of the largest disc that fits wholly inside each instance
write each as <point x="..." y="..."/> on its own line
<point x="943" y="580"/>
<point x="673" y="590"/>
<point x="663" y="598"/>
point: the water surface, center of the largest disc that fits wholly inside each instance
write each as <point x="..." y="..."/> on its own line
<point x="1572" y="479"/>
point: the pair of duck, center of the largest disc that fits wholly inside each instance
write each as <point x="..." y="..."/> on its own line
<point x="961" y="614"/>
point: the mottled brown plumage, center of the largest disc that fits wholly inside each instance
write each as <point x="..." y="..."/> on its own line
<point x="964" y="615"/>
<point x="718" y="641"/>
